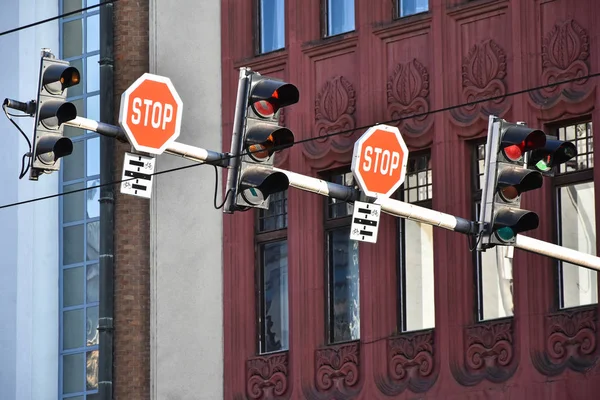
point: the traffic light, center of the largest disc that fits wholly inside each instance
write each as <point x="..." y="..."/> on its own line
<point x="52" y="111"/>
<point x="507" y="176"/>
<point x="554" y="153"/>
<point x="261" y="137"/>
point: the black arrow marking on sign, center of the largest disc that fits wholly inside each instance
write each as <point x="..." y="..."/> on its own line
<point x="136" y="163"/>
<point x="364" y="210"/>
<point x="138" y="175"/>
<point x="362" y="221"/>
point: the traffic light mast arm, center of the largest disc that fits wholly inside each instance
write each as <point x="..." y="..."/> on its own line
<point x="559" y="252"/>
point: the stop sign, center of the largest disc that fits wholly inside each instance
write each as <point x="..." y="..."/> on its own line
<point x="150" y="113"/>
<point x="379" y="160"/>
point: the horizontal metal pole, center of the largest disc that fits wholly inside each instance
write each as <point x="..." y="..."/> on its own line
<point x="559" y="252"/>
<point x="390" y="206"/>
<point x="193" y="153"/>
<point x="99" y="127"/>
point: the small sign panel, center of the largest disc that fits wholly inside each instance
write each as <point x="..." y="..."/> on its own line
<point x="365" y="222"/>
<point x="137" y="175"/>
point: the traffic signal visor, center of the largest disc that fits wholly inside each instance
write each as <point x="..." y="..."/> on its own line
<point x="268" y="96"/>
<point x="509" y="222"/>
<point x="58" y="77"/>
<point x="262" y="140"/>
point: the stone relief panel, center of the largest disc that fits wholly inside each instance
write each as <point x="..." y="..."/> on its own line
<point x="335" y="107"/>
<point x="408" y="95"/>
<point x="337" y="372"/>
<point x="484" y="72"/>
<point x="410" y="364"/>
<point x="571" y="342"/>
<point x="565" y="57"/>
<point x="489" y="354"/>
<point x="267" y="377"/>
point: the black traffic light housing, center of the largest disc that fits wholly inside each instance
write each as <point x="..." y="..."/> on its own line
<point x="52" y="111"/>
<point x="554" y="153"/>
<point x="262" y="136"/>
<point x="507" y="176"/>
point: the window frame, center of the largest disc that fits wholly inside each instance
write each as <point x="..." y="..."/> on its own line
<point x="261" y="239"/>
<point x="401" y="254"/>
<point x="558" y="181"/>
<point x="331" y="224"/>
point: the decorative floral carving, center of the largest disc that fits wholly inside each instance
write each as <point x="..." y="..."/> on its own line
<point x="565" y="54"/>
<point x="267" y="376"/>
<point x="570" y="343"/>
<point x="410" y="364"/>
<point x="337" y="368"/>
<point x="407" y="95"/>
<point x="489" y="346"/>
<point x="489" y="353"/>
<point x="334" y="112"/>
<point x="483" y="73"/>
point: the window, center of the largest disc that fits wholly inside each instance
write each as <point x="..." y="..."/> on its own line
<point x="271" y="25"/>
<point x="273" y="311"/>
<point x="493" y="269"/>
<point x="416" y="267"/>
<point x="576" y="216"/>
<point x="80" y="212"/>
<point x="340" y="16"/>
<point x="343" y="317"/>
<point x="410" y="7"/>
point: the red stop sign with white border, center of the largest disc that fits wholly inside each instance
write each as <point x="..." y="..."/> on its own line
<point x="150" y="113"/>
<point x="379" y="161"/>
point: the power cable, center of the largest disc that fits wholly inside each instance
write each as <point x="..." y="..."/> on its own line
<point x="67" y="14"/>
<point x="228" y="156"/>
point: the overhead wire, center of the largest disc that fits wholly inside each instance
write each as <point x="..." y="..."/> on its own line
<point x="64" y="15"/>
<point x="321" y="137"/>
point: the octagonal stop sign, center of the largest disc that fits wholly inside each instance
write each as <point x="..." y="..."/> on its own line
<point x="379" y="160"/>
<point x="150" y="113"/>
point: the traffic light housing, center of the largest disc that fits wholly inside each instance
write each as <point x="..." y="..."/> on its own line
<point x="554" y="153"/>
<point x="262" y="136"/>
<point x="52" y="111"/>
<point x="507" y="176"/>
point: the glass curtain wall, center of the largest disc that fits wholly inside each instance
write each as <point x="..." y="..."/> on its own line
<point x="80" y="212"/>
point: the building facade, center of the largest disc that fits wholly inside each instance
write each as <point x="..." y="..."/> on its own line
<point x="309" y="313"/>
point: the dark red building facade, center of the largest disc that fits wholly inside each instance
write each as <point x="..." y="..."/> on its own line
<point x="339" y="320"/>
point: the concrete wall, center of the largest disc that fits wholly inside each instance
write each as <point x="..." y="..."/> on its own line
<point x="186" y="231"/>
<point x="29" y="275"/>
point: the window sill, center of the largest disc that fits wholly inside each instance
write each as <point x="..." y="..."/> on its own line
<point x="275" y="57"/>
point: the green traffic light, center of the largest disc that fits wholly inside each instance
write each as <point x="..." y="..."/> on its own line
<point x="505" y="234"/>
<point x="542" y="166"/>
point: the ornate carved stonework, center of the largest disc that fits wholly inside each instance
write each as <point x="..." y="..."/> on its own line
<point x="489" y="353"/>
<point x="570" y="342"/>
<point x="334" y="112"/>
<point x="410" y="364"/>
<point x="337" y="368"/>
<point x="565" y="56"/>
<point x="267" y="377"/>
<point x="408" y="95"/>
<point x="483" y="77"/>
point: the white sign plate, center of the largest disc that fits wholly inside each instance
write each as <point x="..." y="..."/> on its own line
<point x="137" y="175"/>
<point x="365" y="222"/>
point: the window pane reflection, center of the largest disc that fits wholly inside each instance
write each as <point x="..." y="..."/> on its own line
<point x="93" y="199"/>
<point x="340" y="16"/>
<point x="73" y="204"/>
<point x="410" y="7"/>
<point x="275" y="318"/>
<point x="272" y="25"/>
<point x="93" y="33"/>
<point x="344" y="302"/>
<point x="418" y="275"/>
<point x="93" y="240"/>
<point x="73" y="165"/>
<point x="73" y="244"/>
<point x="72" y="40"/>
<point x="91" y="370"/>
<point x="72" y="287"/>
<point x="496" y="284"/>
<point x="73" y="329"/>
<point x="93" y="157"/>
<point x="73" y="371"/>
<point x="92" y="110"/>
<point x="91" y="326"/>
<point x="93" y="283"/>
<point x="93" y="74"/>
<point x="578" y="231"/>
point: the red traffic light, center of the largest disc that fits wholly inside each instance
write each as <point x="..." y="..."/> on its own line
<point x="518" y="140"/>
<point x="267" y="96"/>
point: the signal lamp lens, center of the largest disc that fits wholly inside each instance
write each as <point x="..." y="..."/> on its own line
<point x="505" y="233"/>
<point x="514" y="152"/>
<point x="264" y="108"/>
<point x="260" y="151"/>
<point x="543" y="165"/>
<point x="509" y="193"/>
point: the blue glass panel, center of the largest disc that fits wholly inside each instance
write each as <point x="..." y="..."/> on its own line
<point x="272" y="25"/>
<point x="340" y="16"/>
<point x="410" y="7"/>
<point x="93" y="33"/>
<point x="275" y="318"/>
<point x="73" y="373"/>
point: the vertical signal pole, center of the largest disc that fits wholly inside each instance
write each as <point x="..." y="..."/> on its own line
<point x="238" y="128"/>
